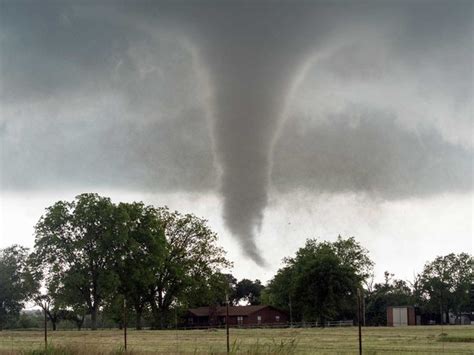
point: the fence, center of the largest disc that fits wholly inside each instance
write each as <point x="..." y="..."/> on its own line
<point x="454" y="339"/>
<point x="341" y="323"/>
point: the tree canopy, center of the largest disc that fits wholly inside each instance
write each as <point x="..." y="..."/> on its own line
<point x="16" y="282"/>
<point x="248" y="291"/>
<point x="445" y="282"/>
<point x="92" y="254"/>
<point x="320" y="282"/>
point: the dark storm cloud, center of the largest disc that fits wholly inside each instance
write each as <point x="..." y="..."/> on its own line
<point x="109" y="153"/>
<point x="109" y="94"/>
<point x="362" y="150"/>
<point x="95" y="102"/>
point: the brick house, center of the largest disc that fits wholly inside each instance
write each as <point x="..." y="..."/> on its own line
<point x="238" y="316"/>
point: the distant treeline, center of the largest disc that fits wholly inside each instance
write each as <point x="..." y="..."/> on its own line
<point x="95" y="262"/>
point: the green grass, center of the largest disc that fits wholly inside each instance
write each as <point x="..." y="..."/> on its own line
<point x="377" y="340"/>
<point x="457" y="339"/>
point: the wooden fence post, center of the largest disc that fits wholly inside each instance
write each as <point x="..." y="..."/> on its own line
<point x="227" y="323"/>
<point x="359" y="319"/>
<point x="125" y="323"/>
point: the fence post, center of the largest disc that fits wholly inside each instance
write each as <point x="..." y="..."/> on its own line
<point x="359" y="319"/>
<point x="227" y="322"/>
<point x="125" y="323"/>
<point x="291" y="311"/>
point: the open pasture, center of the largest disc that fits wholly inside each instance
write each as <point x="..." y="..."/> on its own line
<point x="376" y="340"/>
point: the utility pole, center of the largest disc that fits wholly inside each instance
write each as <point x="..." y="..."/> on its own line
<point x="359" y="319"/>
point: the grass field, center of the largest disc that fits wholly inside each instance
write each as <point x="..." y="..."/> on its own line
<point x="383" y="340"/>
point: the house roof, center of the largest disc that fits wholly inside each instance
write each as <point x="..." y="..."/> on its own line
<point x="221" y="310"/>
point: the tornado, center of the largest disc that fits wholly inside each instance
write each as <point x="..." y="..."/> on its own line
<point x="248" y="108"/>
<point x="252" y="54"/>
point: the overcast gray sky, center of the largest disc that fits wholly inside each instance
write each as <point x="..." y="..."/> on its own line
<point x="275" y="120"/>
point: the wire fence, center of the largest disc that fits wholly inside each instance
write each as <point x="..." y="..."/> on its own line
<point x="279" y="325"/>
<point x="304" y="339"/>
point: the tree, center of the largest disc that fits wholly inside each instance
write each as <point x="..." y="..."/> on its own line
<point x="76" y="247"/>
<point x="445" y="283"/>
<point x="49" y="298"/>
<point x="353" y="255"/>
<point x="93" y="254"/>
<point x="392" y="292"/>
<point x="191" y="259"/>
<point x="280" y="289"/>
<point x="47" y="304"/>
<point x="16" y="282"/>
<point x="321" y="280"/>
<point x="209" y="291"/>
<point x="142" y="253"/>
<point x="76" y="316"/>
<point x="323" y="286"/>
<point x="249" y="291"/>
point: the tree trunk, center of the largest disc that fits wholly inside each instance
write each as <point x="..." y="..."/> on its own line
<point x="162" y="321"/>
<point x="156" y="320"/>
<point x="156" y="316"/>
<point x="441" y="321"/>
<point x="94" y="318"/>
<point x="80" y="322"/>
<point x="138" y="319"/>
<point x="53" y="317"/>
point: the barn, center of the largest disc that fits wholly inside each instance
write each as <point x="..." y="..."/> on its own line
<point x="238" y="316"/>
<point x="402" y="316"/>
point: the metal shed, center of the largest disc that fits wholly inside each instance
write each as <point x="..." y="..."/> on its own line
<point x="398" y="316"/>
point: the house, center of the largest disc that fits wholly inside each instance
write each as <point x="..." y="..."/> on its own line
<point x="238" y="316"/>
<point x="402" y="316"/>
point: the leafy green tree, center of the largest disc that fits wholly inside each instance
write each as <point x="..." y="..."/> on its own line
<point x="76" y="316"/>
<point x="353" y="255"/>
<point x="323" y="286"/>
<point x="445" y="283"/>
<point x="321" y="281"/>
<point x="50" y="297"/>
<point x="16" y="282"/>
<point x="191" y="259"/>
<point x="280" y="289"/>
<point x="48" y="305"/>
<point x="209" y="291"/>
<point x="142" y="254"/>
<point x="76" y="247"/>
<point x="249" y="291"/>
